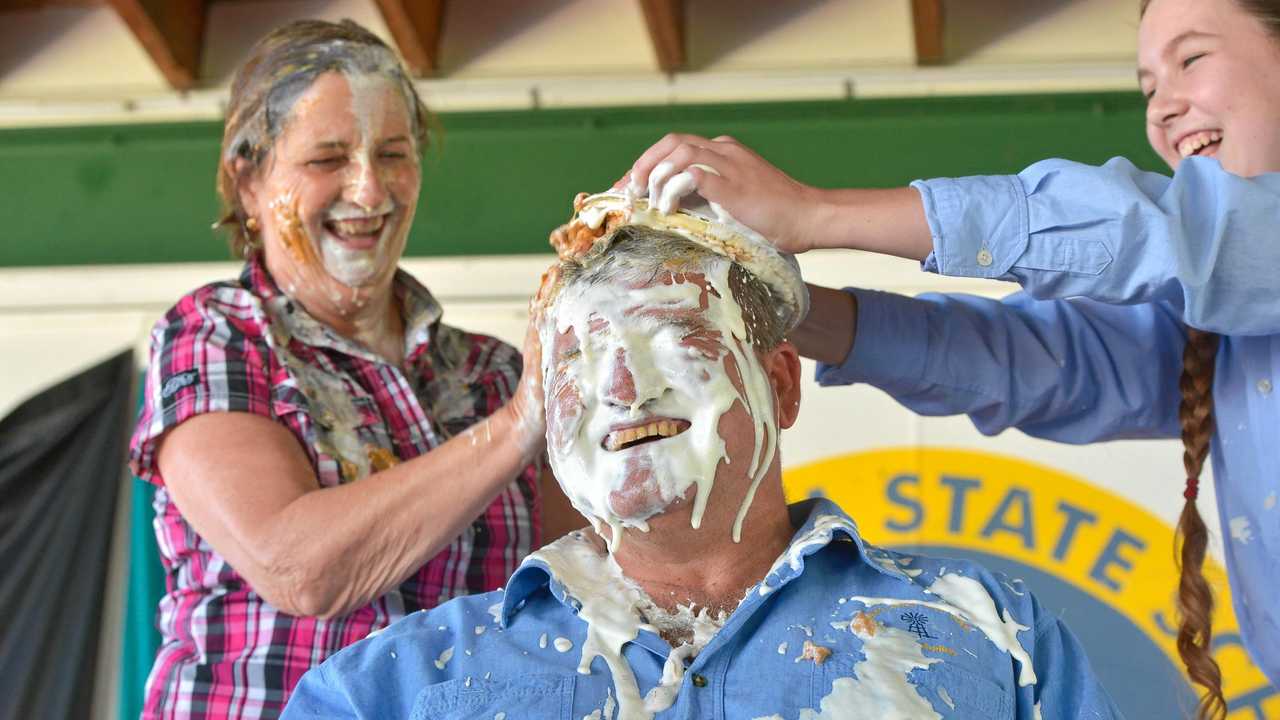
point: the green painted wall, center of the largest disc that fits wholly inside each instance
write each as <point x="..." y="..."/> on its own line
<point x="497" y="182"/>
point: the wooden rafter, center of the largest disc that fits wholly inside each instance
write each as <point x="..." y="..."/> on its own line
<point x="172" y="33"/>
<point x="415" y="26"/>
<point x="665" y="20"/>
<point x="19" y="5"/>
<point x="927" y="15"/>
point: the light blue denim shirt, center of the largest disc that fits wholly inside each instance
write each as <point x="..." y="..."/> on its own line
<point x="515" y="654"/>
<point x="1113" y="262"/>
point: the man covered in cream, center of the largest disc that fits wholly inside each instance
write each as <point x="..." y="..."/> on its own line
<point x="698" y="592"/>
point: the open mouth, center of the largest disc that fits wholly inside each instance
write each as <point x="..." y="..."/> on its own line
<point x="654" y="431"/>
<point x="1204" y="142"/>
<point x="356" y="230"/>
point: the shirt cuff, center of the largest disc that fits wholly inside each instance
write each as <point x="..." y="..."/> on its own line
<point x="889" y="345"/>
<point x="978" y="224"/>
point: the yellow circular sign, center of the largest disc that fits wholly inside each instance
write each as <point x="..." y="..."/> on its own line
<point x="1040" y="518"/>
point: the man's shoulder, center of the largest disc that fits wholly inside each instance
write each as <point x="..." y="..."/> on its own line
<point x="429" y="632"/>
<point x="967" y="584"/>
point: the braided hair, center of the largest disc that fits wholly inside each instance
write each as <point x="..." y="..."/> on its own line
<point x="1195" y="597"/>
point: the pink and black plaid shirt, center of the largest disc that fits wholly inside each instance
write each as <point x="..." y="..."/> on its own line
<point x="246" y="347"/>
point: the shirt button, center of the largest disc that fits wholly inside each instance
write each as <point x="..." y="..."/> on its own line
<point x="699" y="681"/>
<point x="984" y="257"/>
<point x="1264" y="386"/>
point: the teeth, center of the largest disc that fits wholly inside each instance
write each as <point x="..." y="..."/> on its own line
<point x="661" y="428"/>
<point x="1195" y="141"/>
<point x="359" y="226"/>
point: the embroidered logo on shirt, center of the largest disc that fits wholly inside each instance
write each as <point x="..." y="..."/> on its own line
<point x="916" y="624"/>
<point x="177" y="382"/>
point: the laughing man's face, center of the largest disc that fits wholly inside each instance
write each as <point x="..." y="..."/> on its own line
<point x="653" y="394"/>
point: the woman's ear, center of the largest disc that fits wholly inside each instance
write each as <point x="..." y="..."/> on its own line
<point x="248" y="184"/>
<point x="782" y="365"/>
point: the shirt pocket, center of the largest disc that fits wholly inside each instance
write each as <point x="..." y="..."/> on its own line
<point x="532" y="696"/>
<point x="955" y="692"/>
<point x="960" y="693"/>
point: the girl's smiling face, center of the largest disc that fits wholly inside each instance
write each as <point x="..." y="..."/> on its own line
<point x="338" y="193"/>
<point x="1211" y="73"/>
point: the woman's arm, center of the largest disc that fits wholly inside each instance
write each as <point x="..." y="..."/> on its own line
<point x="1074" y="371"/>
<point x="245" y="485"/>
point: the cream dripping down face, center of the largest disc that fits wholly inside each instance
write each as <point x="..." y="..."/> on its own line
<point x="652" y="387"/>
<point x="338" y="195"/>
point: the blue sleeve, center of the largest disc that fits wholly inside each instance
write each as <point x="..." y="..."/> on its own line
<point x="1074" y="371"/>
<point x="1203" y="241"/>
<point x="1066" y="686"/>
<point x="316" y="696"/>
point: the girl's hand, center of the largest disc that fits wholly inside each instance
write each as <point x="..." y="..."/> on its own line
<point x="728" y="174"/>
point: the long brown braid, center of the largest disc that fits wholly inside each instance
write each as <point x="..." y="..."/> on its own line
<point x="1195" y="597"/>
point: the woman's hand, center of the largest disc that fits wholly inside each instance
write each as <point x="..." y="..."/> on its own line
<point x="527" y="406"/>
<point x="727" y="173"/>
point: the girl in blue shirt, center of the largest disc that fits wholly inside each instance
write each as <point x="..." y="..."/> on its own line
<point x="1148" y="300"/>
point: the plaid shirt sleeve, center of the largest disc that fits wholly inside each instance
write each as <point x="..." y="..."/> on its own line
<point x="207" y="355"/>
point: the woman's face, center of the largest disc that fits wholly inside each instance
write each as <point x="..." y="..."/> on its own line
<point x="337" y="194"/>
<point x="1211" y="73"/>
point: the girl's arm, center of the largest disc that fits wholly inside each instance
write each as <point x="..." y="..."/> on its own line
<point x="1205" y="242"/>
<point x="1074" y="371"/>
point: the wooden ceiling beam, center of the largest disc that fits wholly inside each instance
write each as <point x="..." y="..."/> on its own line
<point x="19" y="5"/>
<point x="172" y="33"/>
<point x="665" y="20"/>
<point x="415" y="27"/>
<point x="928" y="19"/>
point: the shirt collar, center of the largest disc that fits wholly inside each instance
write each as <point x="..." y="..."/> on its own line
<point x="821" y="523"/>
<point x="420" y="309"/>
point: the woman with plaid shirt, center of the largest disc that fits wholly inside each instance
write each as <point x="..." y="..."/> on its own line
<point x="328" y="455"/>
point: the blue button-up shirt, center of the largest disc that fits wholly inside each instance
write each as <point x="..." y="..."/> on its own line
<point x="893" y="645"/>
<point x="1113" y="261"/>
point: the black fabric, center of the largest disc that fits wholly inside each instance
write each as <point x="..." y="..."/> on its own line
<point x="62" y="459"/>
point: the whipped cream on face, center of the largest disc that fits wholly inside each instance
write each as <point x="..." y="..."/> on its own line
<point x="349" y="264"/>
<point x="354" y="266"/>
<point x="673" y="382"/>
